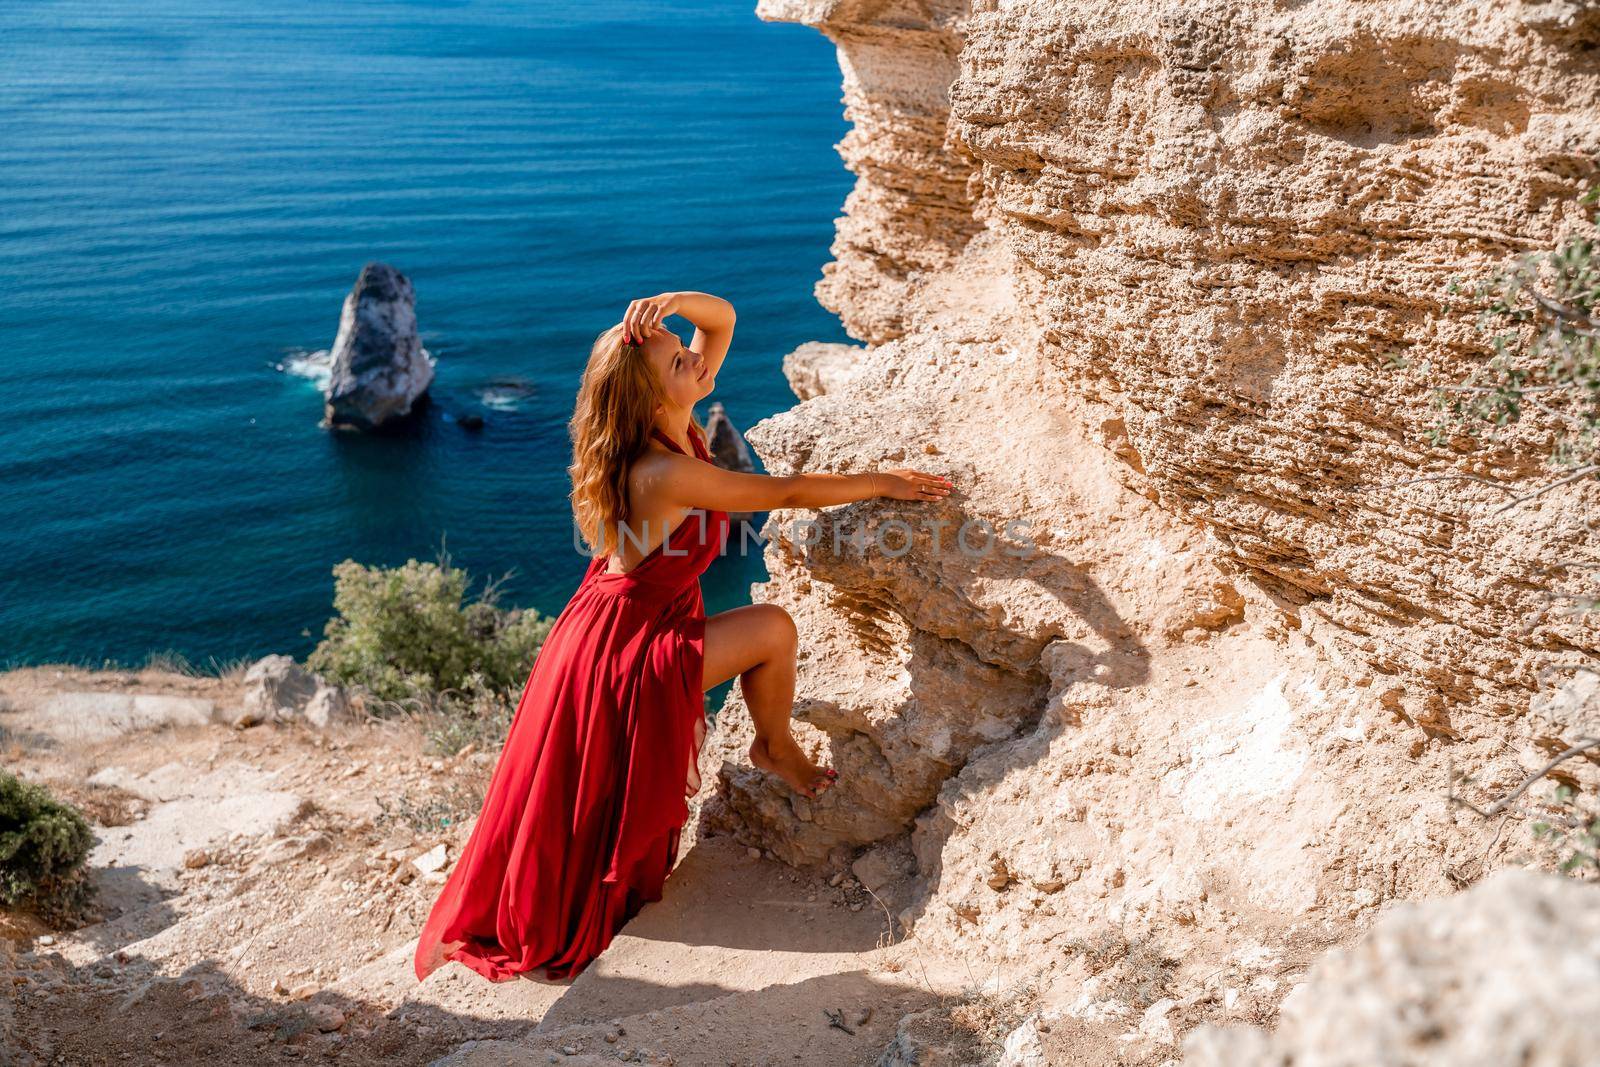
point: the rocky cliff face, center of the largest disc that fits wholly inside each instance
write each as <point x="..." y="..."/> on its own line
<point x="1164" y="288"/>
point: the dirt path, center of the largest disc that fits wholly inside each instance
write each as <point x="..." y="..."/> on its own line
<point x="261" y="890"/>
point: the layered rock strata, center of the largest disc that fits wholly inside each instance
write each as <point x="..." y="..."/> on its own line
<point x="1163" y="289"/>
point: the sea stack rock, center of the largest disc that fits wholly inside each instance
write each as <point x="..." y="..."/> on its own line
<point x="728" y="450"/>
<point x="380" y="372"/>
<point x="726" y="443"/>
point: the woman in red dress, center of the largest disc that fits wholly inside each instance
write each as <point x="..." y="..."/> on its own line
<point x="581" y="821"/>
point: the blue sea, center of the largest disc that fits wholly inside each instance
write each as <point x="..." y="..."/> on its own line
<point x="188" y="189"/>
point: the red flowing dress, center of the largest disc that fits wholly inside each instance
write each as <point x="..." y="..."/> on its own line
<point x="581" y="821"/>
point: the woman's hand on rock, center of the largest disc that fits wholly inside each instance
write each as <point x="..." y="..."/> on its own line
<point x="903" y="483"/>
<point x="644" y="316"/>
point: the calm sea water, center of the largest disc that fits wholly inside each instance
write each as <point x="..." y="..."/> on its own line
<point x="188" y="188"/>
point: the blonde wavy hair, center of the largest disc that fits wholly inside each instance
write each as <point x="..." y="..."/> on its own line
<point x="610" y="428"/>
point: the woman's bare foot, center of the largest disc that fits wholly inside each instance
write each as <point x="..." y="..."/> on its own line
<point x="787" y="760"/>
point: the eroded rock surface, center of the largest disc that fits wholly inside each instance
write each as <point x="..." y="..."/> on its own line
<point x="1163" y="290"/>
<point x="1508" y="972"/>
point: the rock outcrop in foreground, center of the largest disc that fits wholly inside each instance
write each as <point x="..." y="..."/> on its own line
<point x="1167" y="697"/>
<point x="1508" y="972"/>
<point x="380" y="369"/>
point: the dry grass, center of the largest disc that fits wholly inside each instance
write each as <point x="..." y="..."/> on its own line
<point x="1136" y="973"/>
<point x="433" y="812"/>
<point x="103" y="805"/>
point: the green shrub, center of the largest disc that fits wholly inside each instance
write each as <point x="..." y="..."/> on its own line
<point x="405" y="632"/>
<point x="1542" y="314"/>
<point x="43" y="846"/>
<point x="1572" y="828"/>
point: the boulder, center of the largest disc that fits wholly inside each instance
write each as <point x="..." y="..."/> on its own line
<point x="1507" y="972"/>
<point x="327" y="705"/>
<point x="818" y="367"/>
<point x="277" y="689"/>
<point x="380" y="371"/>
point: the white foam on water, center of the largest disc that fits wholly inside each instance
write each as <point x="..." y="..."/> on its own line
<point x="317" y="367"/>
<point x="499" y="400"/>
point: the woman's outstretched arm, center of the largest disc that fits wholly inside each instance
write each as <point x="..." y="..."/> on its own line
<point x="712" y="316"/>
<point x="689" y="482"/>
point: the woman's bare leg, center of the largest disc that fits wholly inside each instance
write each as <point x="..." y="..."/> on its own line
<point x="757" y="643"/>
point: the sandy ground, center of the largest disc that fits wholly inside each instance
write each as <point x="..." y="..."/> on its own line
<point x="261" y="890"/>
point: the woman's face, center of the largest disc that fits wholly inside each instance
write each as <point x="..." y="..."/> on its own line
<point x="684" y="375"/>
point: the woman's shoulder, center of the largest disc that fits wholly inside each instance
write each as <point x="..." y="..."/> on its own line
<point x="648" y="467"/>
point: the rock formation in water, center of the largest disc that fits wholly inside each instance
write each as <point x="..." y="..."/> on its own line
<point x="1163" y="289"/>
<point x="381" y="372"/>
<point x="729" y="451"/>
<point x="726" y="444"/>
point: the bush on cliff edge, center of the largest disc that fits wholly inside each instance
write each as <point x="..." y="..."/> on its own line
<point x="405" y="633"/>
<point x="43" y="846"/>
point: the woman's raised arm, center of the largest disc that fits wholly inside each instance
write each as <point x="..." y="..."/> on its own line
<point x="712" y="316"/>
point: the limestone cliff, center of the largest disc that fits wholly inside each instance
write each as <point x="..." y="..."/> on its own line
<point x="1164" y="287"/>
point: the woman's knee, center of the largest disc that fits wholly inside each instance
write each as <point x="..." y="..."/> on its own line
<point x="744" y="638"/>
<point x="777" y="626"/>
